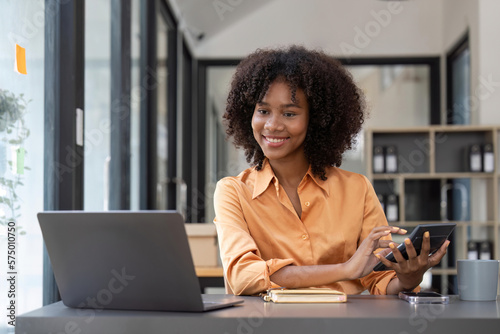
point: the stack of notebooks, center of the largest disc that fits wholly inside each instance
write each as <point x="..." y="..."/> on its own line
<point x="309" y="295"/>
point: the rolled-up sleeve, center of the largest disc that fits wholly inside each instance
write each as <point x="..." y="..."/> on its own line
<point x="377" y="282"/>
<point x="245" y="271"/>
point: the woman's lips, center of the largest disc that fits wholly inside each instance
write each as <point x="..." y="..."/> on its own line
<point x="275" y="141"/>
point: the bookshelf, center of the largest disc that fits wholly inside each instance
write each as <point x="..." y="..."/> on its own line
<point x="434" y="183"/>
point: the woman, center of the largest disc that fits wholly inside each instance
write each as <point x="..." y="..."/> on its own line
<point x="295" y="219"/>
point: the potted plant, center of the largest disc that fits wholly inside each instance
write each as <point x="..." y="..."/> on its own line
<point x="13" y="133"/>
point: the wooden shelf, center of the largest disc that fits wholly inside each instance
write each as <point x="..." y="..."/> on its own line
<point x="459" y="223"/>
<point x="428" y="156"/>
<point x="424" y="176"/>
<point x="209" y="271"/>
<point x="441" y="271"/>
<point x="433" y="128"/>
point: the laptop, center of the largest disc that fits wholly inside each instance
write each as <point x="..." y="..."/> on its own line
<point x="125" y="260"/>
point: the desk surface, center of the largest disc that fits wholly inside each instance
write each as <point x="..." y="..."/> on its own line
<point x="361" y="314"/>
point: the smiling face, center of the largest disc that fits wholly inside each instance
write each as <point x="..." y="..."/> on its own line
<point x="280" y="125"/>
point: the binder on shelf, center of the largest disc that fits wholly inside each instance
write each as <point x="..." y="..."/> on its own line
<point x="391" y="159"/>
<point x="472" y="251"/>
<point x="485" y="250"/>
<point x="475" y="159"/>
<point x="378" y="159"/>
<point x="392" y="208"/>
<point x="488" y="158"/>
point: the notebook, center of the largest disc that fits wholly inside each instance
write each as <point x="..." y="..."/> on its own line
<point x="307" y="295"/>
<point x="125" y="260"/>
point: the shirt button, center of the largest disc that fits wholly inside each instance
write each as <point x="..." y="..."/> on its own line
<point x="307" y="203"/>
<point x="304" y="236"/>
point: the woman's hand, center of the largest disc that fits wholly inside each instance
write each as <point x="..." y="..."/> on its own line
<point x="410" y="272"/>
<point x="363" y="261"/>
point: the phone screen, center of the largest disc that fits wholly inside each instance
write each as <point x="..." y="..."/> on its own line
<point x="422" y="294"/>
<point x="424" y="297"/>
<point x="438" y="235"/>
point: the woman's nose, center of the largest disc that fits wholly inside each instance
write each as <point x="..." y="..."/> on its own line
<point x="273" y="123"/>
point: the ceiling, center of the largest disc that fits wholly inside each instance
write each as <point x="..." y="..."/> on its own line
<point x="202" y="19"/>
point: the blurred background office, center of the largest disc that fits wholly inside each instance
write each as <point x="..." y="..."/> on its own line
<point x="120" y="103"/>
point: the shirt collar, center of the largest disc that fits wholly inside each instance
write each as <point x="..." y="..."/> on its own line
<point x="322" y="184"/>
<point x="266" y="175"/>
<point x="263" y="178"/>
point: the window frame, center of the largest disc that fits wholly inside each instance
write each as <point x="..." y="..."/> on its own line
<point x="64" y="91"/>
<point x="120" y="147"/>
<point x="455" y="52"/>
<point x="148" y="107"/>
<point x="434" y="64"/>
<point x="197" y="202"/>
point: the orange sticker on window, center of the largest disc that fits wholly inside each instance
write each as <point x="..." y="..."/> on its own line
<point x="21" y="60"/>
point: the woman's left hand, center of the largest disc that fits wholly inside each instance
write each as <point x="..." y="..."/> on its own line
<point x="410" y="272"/>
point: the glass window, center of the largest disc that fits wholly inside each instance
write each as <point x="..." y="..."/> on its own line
<point x="223" y="158"/>
<point x="21" y="149"/>
<point x="162" y="116"/>
<point x="137" y="87"/>
<point x="396" y="96"/>
<point x="460" y="85"/>
<point x="185" y="138"/>
<point x="97" y="103"/>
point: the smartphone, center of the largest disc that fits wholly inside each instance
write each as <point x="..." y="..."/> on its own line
<point x="424" y="298"/>
<point x="439" y="234"/>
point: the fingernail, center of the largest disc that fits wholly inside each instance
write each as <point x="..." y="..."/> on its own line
<point x="407" y="241"/>
<point x="448" y="243"/>
<point x="426" y="234"/>
<point x="392" y="245"/>
<point x="404" y="231"/>
<point x="377" y="256"/>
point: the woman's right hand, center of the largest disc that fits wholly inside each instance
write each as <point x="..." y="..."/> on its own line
<point x="363" y="261"/>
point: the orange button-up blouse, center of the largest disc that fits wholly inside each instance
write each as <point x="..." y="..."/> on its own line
<point x="260" y="232"/>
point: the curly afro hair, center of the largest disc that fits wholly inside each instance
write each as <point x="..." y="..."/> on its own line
<point x="336" y="104"/>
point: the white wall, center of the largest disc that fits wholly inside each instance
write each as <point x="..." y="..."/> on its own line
<point x="488" y="85"/>
<point x="371" y="28"/>
<point x="366" y="28"/>
<point x="481" y="17"/>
